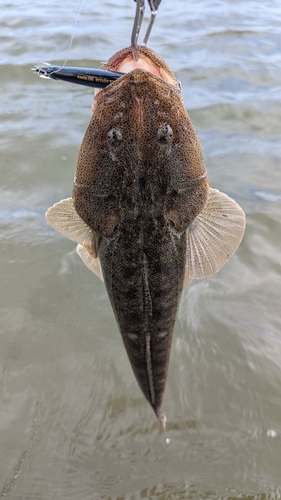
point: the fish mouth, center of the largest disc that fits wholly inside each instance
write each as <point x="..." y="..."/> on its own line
<point x="148" y="60"/>
<point x="129" y="64"/>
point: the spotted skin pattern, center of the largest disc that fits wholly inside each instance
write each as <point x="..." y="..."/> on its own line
<point x="142" y="212"/>
<point x="140" y="181"/>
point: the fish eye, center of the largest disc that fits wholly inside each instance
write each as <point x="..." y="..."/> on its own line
<point x="165" y="133"/>
<point x="114" y="135"/>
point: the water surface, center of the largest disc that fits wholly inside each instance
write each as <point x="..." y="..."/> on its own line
<point x="73" y="422"/>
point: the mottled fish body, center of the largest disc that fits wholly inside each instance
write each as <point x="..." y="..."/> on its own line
<point x="142" y="210"/>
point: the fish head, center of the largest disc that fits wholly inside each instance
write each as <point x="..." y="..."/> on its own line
<point x="140" y="129"/>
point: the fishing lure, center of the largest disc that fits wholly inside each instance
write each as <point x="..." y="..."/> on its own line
<point x="89" y="77"/>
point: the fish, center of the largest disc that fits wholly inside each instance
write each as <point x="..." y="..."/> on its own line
<point x="142" y="210"/>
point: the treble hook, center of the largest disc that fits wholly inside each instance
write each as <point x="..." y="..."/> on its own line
<point x="140" y="8"/>
<point x="137" y="23"/>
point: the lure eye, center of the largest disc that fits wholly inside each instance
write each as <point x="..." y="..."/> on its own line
<point x="114" y="135"/>
<point x="165" y="133"/>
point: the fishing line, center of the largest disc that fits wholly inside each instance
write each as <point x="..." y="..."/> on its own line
<point x="72" y="36"/>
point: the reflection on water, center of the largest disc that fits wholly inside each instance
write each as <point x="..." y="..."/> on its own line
<point x="73" y="422"/>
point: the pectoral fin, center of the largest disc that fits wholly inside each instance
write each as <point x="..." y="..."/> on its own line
<point x="63" y="217"/>
<point x="214" y="235"/>
<point x="92" y="263"/>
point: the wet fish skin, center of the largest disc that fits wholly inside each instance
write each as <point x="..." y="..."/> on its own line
<point x="142" y="212"/>
<point x="139" y="183"/>
<point x="144" y="287"/>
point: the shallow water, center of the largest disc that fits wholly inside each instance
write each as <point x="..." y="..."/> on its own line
<point x="73" y="422"/>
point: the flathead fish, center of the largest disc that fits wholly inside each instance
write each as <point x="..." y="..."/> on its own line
<point x="142" y="212"/>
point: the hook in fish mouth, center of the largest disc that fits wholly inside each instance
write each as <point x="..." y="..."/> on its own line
<point x="140" y="9"/>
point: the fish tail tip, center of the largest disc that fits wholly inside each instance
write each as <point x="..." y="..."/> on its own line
<point x="162" y="419"/>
